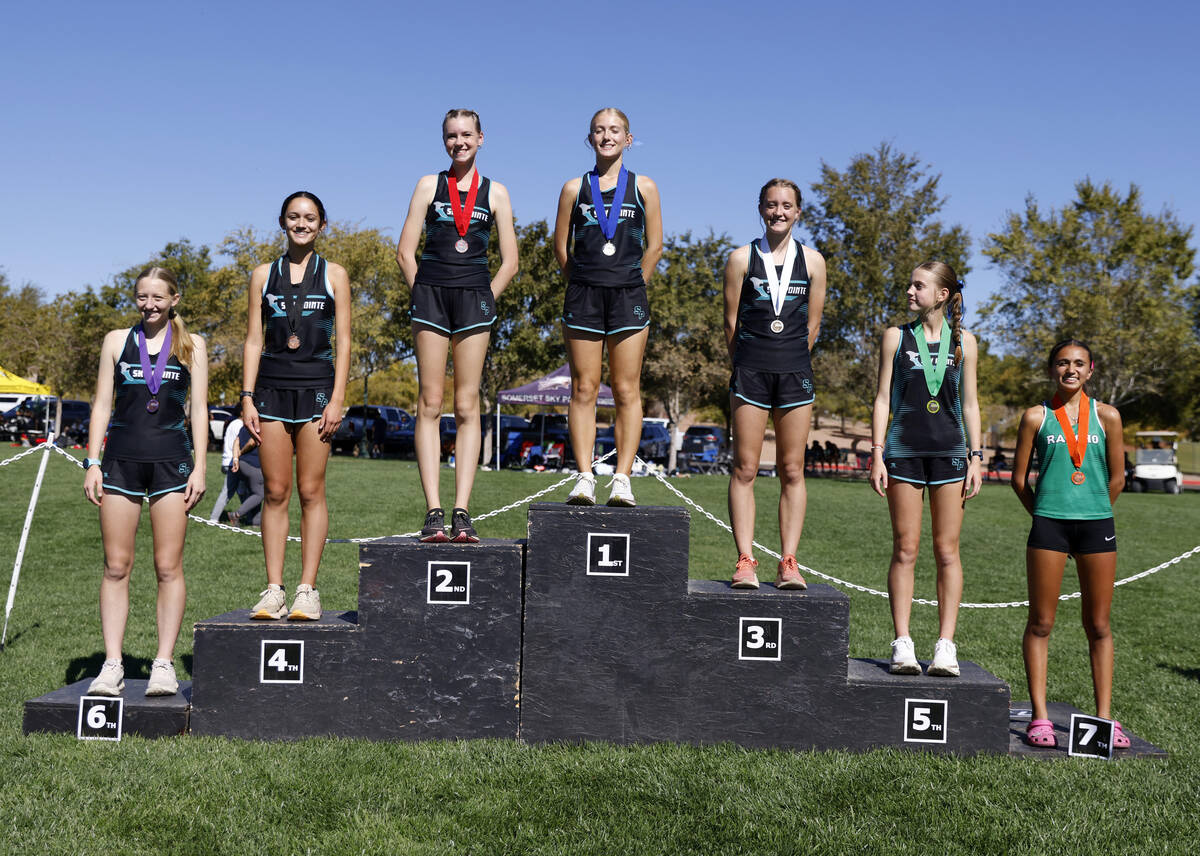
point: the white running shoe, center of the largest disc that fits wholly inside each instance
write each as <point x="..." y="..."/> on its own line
<point x="945" y="659"/>
<point x="162" y="679"/>
<point x="622" y="492"/>
<point x="904" y="657"/>
<point x="110" y="681"/>
<point x="584" y="492"/>
<point x="307" y="605"/>
<point x="272" y="603"/>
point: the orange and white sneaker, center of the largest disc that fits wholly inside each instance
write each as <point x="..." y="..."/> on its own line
<point x="744" y="576"/>
<point x="788" y="576"/>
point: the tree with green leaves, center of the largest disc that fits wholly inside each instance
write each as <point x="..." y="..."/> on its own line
<point x="873" y="222"/>
<point x="686" y="364"/>
<point x="1104" y="270"/>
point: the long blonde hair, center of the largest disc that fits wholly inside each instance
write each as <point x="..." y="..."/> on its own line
<point x="181" y="342"/>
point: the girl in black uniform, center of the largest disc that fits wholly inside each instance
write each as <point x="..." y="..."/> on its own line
<point x="453" y="307"/>
<point x="774" y="296"/>
<point x="608" y="252"/>
<point x="146" y="375"/>
<point x="927" y="383"/>
<point x="294" y="385"/>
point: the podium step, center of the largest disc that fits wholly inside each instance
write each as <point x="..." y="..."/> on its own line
<point x="161" y="716"/>
<point x="440" y="645"/>
<point x="276" y="680"/>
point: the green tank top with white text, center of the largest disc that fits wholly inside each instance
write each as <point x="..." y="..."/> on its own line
<point x="1055" y="495"/>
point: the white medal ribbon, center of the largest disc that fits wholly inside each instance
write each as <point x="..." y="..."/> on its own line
<point x="778" y="290"/>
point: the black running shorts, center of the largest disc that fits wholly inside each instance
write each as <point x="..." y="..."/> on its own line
<point x="770" y="390"/>
<point x="145" y="478"/>
<point x="606" y="309"/>
<point x="1073" y="536"/>
<point x="453" y="310"/>
<point x="927" y="471"/>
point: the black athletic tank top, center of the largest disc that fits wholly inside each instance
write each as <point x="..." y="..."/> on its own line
<point x="134" y="434"/>
<point x="440" y="263"/>
<point x="757" y="346"/>
<point x="311" y="365"/>
<point x="589" y="265"/>
<point x="915" y="432"/>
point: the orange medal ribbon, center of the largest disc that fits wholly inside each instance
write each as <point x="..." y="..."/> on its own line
<point x="1076" y="445"/>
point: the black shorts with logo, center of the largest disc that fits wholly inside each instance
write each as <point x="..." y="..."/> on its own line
<point x="606" y="309"/>
<point x="291" y="405"/>
<point x="145" y="478"/>
<point x="770" y="390"/>
<point x="1073" y="536"/>
<point x="453" y="310"/>
<point x="943" y="469"/>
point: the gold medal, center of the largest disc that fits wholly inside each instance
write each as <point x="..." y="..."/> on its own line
<point x="932" y="405"/>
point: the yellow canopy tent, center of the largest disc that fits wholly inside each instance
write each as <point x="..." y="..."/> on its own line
<point x="10" y="382"/>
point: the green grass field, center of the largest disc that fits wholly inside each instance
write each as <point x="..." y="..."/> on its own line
<point x="214" y="796"/>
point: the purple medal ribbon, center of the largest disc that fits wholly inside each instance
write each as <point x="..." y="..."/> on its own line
<point x="608" y="218"/>
<point x="153" y="376"/>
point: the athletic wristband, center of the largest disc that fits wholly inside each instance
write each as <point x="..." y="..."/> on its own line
<point x="88" y="463"/>
<point x="247" y="392"/>
<point x="976" y="453"/>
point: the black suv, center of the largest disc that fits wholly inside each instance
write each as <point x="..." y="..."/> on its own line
<point x="399" y="431"/>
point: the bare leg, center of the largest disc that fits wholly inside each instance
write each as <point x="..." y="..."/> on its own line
<point x="585" y="354"/>
<point x="905" y="502"/>
<point x="625" y="352"/>
<point x="432" y="348"/>
<point x="312" y="454"/>
<point x="791" y="437"/>
<point x="1043" y="573"/>
<point x="1097" y="572"/>
<point x="119" y="518"/>
<point x="470" y="351"/>
<point x="168" y="519"/>
<point x="275" y="454"/>
<point x="946" y="507"/>
<point x="749" y="426"/>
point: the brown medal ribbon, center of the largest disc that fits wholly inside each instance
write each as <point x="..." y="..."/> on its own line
<point x="1076" y="445"/>
<point x="462" y="210"/>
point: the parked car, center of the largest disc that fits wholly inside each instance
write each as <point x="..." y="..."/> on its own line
<point x="705" y="449"/>
<point x="219" y="418"/>
<point x="398" y="436"/>
<point x="510" y="424"/>
<point x="654" y="445"/>
<point x="543" y="442"/>
<point x="448" y="432"/>
<point x="29" y="418"/>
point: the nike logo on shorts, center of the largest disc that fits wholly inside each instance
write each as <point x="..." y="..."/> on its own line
<point x="1111" y="538"/>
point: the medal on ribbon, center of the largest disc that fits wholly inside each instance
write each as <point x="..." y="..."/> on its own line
<point x="1076" y="444"/>
<point x="935" y="374"/>
<point x="608" y="218"/>
<point x="777" y="284"/>
<point x="153" y="375"/>
<point x="294" y="302"/>
<point x="462" y="210"/>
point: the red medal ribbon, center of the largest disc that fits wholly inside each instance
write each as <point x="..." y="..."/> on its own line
<point x="1076" y="446"/>
<point x="462" y="212"/>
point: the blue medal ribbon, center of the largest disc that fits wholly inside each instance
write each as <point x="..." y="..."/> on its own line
<point x="608" y="218"/>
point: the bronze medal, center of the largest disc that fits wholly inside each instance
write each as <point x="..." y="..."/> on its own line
<point x="293" y="342"/>
<point x="1078" y="477"/>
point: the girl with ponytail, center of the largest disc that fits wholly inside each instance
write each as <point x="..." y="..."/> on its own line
<point x="927" y="385"/>
<point x="147" y="375"/>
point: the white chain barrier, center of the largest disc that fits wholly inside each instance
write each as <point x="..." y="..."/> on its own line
<point x="674" y="490"/>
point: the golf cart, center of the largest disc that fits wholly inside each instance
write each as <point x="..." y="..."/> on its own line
<point x="1155" y="465"/>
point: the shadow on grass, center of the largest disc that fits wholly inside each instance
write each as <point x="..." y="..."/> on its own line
<point x="1190" y="674"/>
<point x="135" y="667"/>
<point x="8" y="643"/>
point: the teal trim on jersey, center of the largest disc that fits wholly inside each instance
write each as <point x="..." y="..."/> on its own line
<point x="769" y="407"/>
<point x="925" y="483"/>
<point x="143" y="494"/>
<point x="168" y="490"/>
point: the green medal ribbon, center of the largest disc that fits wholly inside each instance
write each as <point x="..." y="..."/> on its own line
<point x="934" y="375"/>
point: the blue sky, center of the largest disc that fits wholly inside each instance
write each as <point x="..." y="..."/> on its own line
<point x="127" y="125"/>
